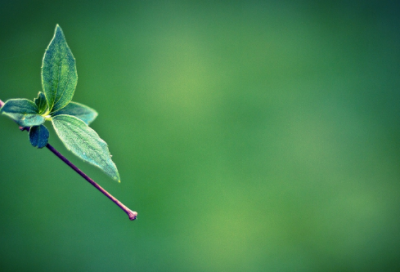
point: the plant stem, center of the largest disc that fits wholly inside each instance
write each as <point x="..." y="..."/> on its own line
<point x="132" y="215"/>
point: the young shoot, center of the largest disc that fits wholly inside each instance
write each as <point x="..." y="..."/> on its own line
<point x="69" y="119"/>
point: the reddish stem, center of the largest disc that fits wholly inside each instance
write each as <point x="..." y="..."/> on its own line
<point x="132" y="215"/>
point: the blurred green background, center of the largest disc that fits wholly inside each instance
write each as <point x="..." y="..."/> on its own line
<point x="249" y="135"/>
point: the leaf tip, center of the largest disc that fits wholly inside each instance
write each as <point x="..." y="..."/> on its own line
<point x="116" y="177"/>
<point x="58" y="30"/>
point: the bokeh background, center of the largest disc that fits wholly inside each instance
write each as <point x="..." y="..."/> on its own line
<point x="249" y="135"/>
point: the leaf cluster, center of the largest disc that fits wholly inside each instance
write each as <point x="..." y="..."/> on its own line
<point x="70" y="119"/>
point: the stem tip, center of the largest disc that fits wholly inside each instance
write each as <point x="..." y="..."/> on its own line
<point x="132" y="215"/>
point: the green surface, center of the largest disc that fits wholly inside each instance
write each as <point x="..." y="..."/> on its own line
<point x="39" y="136"/>
<point x="80" y="111"/>
<point x="23" y="111"/>
<point x="85" y="143"/>
<point x="41" y="103"/>
<point x="249" y="135"/>
<point x="59" y="76"/>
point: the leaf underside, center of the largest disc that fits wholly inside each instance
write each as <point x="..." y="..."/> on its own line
<point x="84" y="142"/>
<point x="38" y="136"/>
<point x="23" y="111"/>
<point x="78" y="110"/>
<point x="59" y="76"/>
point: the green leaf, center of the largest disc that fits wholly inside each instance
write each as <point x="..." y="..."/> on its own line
<point x="23" y="111"/>
<point x="38" y="136"/>
<point x="84" y="142"/>
<point x="59" y="76"/>
<point x="41" y="102"/>
<point x="80" y="111"/>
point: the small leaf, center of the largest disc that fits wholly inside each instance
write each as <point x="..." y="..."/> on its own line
<point x="38" y="136"/>
<point x="23" y="111"/>
<point x="41" y="102"/>
<point x="78" y="110"/>
<point x="84" y="142"/>
<point x="59" y="76"/>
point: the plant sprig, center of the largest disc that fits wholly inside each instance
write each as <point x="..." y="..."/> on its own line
<point x="70" y="120"/>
